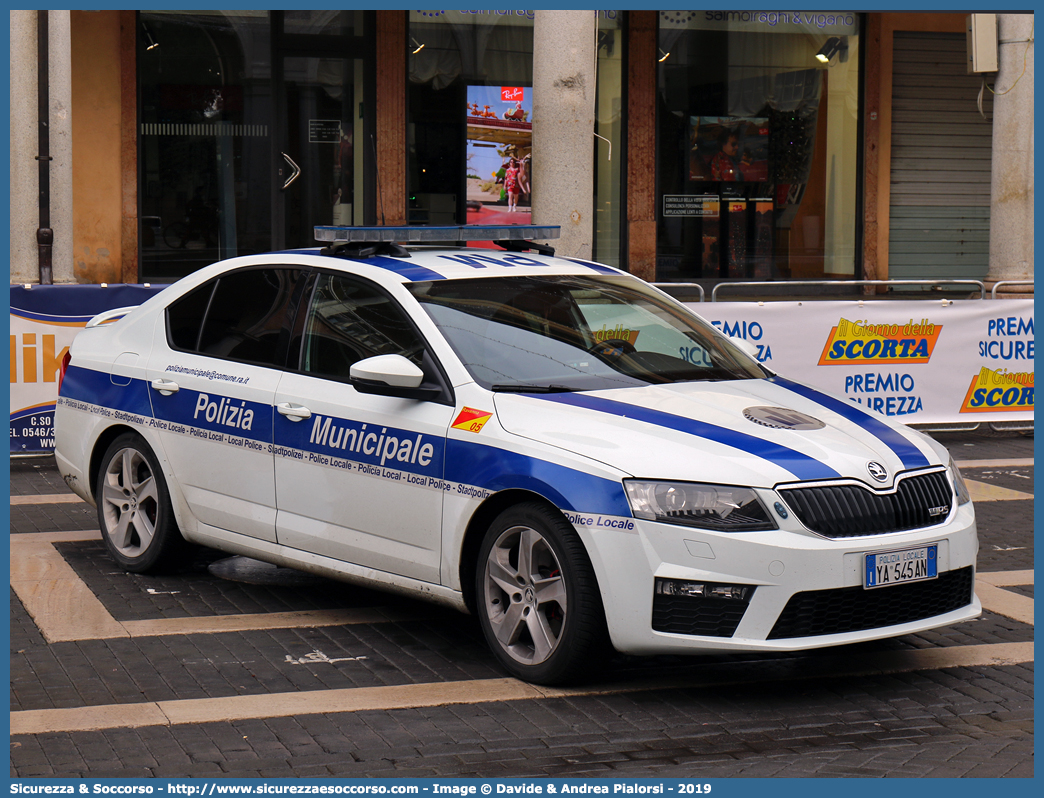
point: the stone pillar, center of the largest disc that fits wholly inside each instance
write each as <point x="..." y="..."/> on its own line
<point x="25" y="184"/>
<point x="1011" y="185"/>
<point x="642" y="58"/>
<point x="564" y="72"/>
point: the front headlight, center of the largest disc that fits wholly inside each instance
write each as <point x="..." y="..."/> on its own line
<point x="719" y="507"/>
<point x="963" y="495"/>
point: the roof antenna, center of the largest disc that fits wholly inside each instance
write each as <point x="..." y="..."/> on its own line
<point x="377" y="170"/>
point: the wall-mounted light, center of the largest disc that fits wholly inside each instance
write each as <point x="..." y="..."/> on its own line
<point x="834" y="46"/>
<point x="150" y="43"/>
<point x="416" y="44"/>
<point x="663" y="56"/>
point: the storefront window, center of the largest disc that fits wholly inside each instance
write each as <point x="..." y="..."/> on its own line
<point x="323" y="23"/>
<point x="205" y="126"/>
<point x="471" y="146"/>
<point x="251" y="124"/>
<point x="757" y="146"/>
<point x="470" y="116"/>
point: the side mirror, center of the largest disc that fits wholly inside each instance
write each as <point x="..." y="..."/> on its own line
<point x="392" y="370"/>
<point x="746" y="346"/>
<point x="390" y="375"/>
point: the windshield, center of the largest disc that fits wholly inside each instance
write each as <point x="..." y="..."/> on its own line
<point x="576" y="333"/>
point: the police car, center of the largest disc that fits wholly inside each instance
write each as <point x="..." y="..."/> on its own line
<point x="548" y="443"/>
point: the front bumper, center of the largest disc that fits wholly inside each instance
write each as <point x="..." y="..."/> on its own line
<point x="822" y="576"/>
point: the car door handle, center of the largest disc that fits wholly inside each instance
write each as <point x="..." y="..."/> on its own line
<point x="165" y="387"/>
<point x="293" y="412"/>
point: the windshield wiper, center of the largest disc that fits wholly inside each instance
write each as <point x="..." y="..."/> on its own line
<point x="520" y="388"/>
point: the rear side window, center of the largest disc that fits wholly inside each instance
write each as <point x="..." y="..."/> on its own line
<point x="240" y="316"/>
<point x="185" y="317"/>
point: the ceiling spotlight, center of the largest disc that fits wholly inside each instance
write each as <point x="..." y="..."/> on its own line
<point x="663" y="56"/>
<point x="150" y="43"/>
<point x="417" y="44"/>
<point x="833" y="46"/>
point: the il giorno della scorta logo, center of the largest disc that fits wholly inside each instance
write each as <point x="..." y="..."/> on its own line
<point x="860" y="343"/>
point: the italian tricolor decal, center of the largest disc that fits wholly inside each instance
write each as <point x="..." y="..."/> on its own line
<point x="471" y="420"/>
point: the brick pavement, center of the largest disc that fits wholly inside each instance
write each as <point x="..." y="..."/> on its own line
<point x="958" y="721"/>
<point x="975" y="722"/>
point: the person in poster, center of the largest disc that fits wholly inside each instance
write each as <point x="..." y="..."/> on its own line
<point x="726" y="165"/>
<point x="728" y="149"/>
<point x="511" y="184"/>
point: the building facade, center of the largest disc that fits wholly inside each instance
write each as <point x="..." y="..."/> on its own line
<point x="684" y="146"/>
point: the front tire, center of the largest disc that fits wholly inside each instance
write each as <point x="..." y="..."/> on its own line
<point x="537" y="597"/>
<point x="134" y="510"/>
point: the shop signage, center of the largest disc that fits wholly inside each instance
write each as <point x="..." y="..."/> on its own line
<point x="843" y="23"/>
<point x="690" y="205"/>
<point x="508" y="16"/>
<point x="324" y="131"/>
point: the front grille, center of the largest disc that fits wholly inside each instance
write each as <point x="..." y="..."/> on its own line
<point x="688" y="615"/>
<point x="853" y="609"/>
<point x="843" y="511"/>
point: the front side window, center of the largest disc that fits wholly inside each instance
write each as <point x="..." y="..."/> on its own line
<point x="349" y="321"/>
<point x="576" y="334"/>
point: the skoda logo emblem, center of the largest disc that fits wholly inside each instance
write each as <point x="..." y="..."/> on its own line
<point x="877" y="471"/>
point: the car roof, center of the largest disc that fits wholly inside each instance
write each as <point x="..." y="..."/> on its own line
<point x="424" y="263"/>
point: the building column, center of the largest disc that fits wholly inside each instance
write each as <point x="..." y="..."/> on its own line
<point x="641" y="144"/>
<point x="392" y="86"/>
<point x="25" y="183"/>
<point x="1011" y="186"/>
<point x="564" y="79"/>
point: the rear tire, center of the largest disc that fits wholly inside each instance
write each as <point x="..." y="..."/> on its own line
<point x="134" y="510"/>
<point x="537" y="597"/>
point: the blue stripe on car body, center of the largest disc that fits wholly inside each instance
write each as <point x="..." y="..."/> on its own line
<point x="404" y="268"/>
<point x="801" y="465"/>
<point x="911" y="456"/>
<point x="401" y="266"/>
<point x="187" y="408"/>
<point x="601" y="268"/>
<point x="366" y="443"/>
<point x="498" y="469"/>
<point x="97" y="388"/>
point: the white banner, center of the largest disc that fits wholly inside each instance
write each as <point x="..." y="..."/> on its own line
<point x="44" y="319"/>
<point x="920" y="362"/>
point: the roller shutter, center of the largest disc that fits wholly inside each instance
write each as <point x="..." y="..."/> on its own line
<point x="939" y="222"/>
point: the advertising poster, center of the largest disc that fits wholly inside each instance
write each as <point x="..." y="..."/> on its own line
<point x="44" y="321"/>
<point x="499" y="154"/>
<point x="918" y="362"/>
<point x="729" y="149"/>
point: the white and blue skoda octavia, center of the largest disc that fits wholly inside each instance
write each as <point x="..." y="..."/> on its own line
<point x="550" y="444"/>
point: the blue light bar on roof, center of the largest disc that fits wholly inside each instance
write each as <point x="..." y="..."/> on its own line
<point x="434" y="235"/>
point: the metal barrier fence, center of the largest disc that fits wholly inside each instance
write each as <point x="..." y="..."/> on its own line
<point x="993" y="293"/>
<point x="787" y="283"/>
<point x="979" y="284"/>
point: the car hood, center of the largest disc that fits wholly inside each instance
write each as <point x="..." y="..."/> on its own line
<point x="742" y="432"/>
